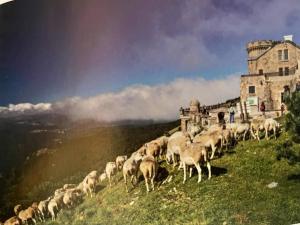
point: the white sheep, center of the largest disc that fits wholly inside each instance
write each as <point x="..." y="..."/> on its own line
<point x="120" y="161"/>
<point x="271" y="125"/>
<point x="53" y="208"/>
<point x="131" y="167"/>
<point x="175" y="143"/>
<point x="102" y="177"/>
<point x="110" y="170"/>
<point x="42" y="206"/>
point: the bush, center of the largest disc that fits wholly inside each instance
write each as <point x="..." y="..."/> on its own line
<point x="287" y="150"/>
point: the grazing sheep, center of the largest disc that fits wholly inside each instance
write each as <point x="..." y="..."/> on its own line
<point x="194" y="154"/>
<point x="130" y="168"/>
<point x="120" y="161"/>
<point x="69" y="186"/>
<point x="53" y="208"/>
<point x="193" y="130"/>
<point x="153" y="149"/>
<point x="257" y="125"/>
<point x="271" y="125"/>
<point x="93" y="174"/>
<point x="226" y="137"/>
<point x="13" y="221"/>
<point x="162" y="142"/>
<point x="71" y="197"/>
<point x="38" y="214"/>
<point x="110" y="170"/>
<point x="89" y="185"/>
<point x="42" y="206"/>
<point x="239" y="129"/>
<point x="175" y="143"/>
<point x="210" y="140"/>
<point x="28" y="215"/>
<point x="59" y="191"/>
<point x="17" y="209"/>
<point x="149" y="168"/>
<point x="102" y="177"/>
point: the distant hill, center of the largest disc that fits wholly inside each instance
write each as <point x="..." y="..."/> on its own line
<point x="39" y="153"/>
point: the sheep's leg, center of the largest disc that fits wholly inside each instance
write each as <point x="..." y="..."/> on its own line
<point x="152" y="182"/>
<point x="274" y="131"/>
<point x="213" y="148"/>
<point x="125" y="181"/>
<point x="173" y="158"/>
<point x="184" y="172"/>
<point x="267" y="135"/>
<point x="191" y="171"/>
<point x="199" y="171"/>
<point x="109" y="179"/>
<point x="147" y="185"/>
<point x="209" y="169"/>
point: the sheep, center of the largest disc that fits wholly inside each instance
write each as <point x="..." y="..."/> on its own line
<point x="175" y="143"/>
<point x="239" y="129"/>
<point x="53" y="208"/>
<point x="17" y="209"/>
<point x="69" y="186"/>
<point x="257" y="125"/>
<point x="153" y="149"/>
<point x="38" y="214"/>
<point x="162" y="142"/>
<point x="110" y="170"/>
<point x="102" y="177"/>
<point x="271" y="125"/>
<point x="42" y="206"/>
<point x="226" y="137"/>
<point x="71" y="197"/>
<point x="130" y="168"/>
<point x="89" y="185"/>
<point x="13" y="221"/>
<point x="194" y="154"/>
<point x="27" y="215"/>
<point x="149" y="168"/>
<point x="210" y="140"/>
<point x="93" y="174"/>
<point x="59" y="191"/>
<point x="193" y="130"/>
<point x="120" y="161"/>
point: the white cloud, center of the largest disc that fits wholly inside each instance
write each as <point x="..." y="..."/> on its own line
<point x="160" y="102"/>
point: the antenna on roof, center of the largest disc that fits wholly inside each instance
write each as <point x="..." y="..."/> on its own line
<point x="288" y="37"/>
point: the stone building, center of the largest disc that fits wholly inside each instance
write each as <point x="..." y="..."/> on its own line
<point x="272" y="72"/>
<point x="191" y="115"/>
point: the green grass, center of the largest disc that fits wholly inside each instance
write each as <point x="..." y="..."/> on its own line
<point x="236" y="194"/>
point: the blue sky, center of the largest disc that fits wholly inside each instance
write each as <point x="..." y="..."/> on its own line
<point x="58" y="49"/>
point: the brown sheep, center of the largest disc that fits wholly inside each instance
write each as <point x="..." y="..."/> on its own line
<point x="28" y="215"/>
<point x="195" y="154"/>
<point x="152" y="149"/>
<point x="149" y="168"/>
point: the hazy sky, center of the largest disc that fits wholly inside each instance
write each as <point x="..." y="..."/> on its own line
<point x="56" y="49"/>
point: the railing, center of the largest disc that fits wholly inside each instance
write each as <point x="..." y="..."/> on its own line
<point x="292" y="71"/>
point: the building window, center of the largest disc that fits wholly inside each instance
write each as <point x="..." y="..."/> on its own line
<point x="286" y="54"/>
<point x="286" y="71"/>
<point x="279" y="54"/>
<point x="251" y="89"/>
<point x="260" y="71"/>
<point x="280" y="71"/>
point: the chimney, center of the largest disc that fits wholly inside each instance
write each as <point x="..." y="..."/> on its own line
<point x="288" y="37"/>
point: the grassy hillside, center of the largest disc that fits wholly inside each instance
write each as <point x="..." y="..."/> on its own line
<point x="236" y="194"/>
<point x="80" y="151"/>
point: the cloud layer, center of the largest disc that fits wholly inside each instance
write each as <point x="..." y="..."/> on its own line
<point x="159" y="102"/>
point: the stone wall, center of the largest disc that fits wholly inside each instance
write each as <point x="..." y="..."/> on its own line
<point x="269" y="61"/>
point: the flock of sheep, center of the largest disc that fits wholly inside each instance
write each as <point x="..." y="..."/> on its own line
<point x="189" y="149"/>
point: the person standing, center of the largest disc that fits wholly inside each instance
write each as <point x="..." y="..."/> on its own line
<point x="262" y="108"/>
<point x="231" y="114"/>
<point x="282" y="108"/>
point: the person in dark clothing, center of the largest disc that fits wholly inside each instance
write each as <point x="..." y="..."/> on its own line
<point x="262" y="108"/>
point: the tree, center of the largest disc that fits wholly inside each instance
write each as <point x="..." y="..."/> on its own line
<point x="292" y="119"/>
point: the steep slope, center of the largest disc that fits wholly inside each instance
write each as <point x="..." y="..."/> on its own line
<point x="236" y="194"/>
